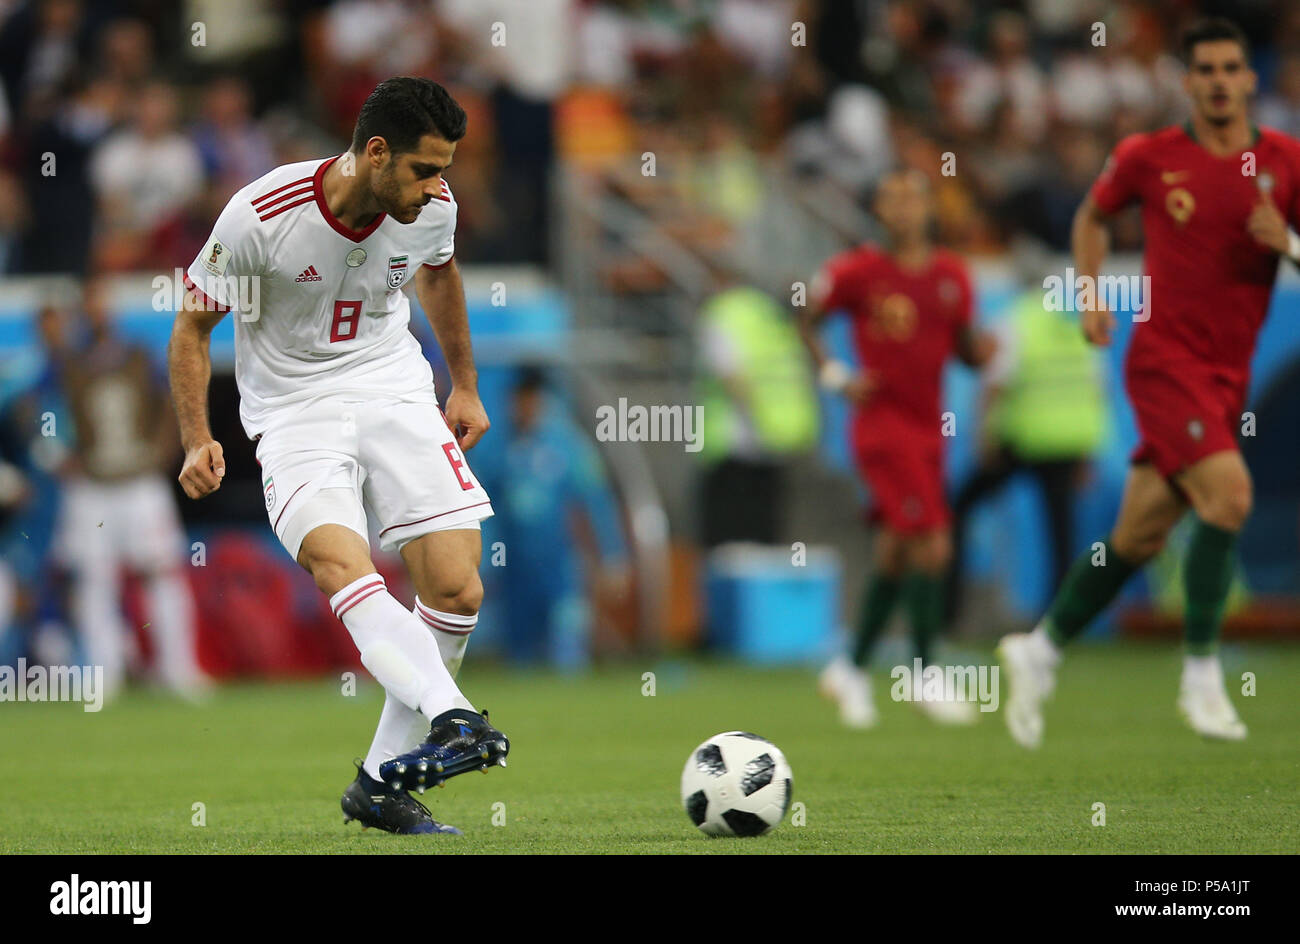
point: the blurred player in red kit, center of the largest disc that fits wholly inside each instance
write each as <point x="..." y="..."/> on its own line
<point x="1216" y="194"/>
<point x="911" y="304"/>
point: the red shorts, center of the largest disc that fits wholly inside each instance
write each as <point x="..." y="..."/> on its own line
<point x="1184" y="413"/>
<point x="906" y="482"/>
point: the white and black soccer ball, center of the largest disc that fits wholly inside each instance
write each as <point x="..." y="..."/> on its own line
<point x="736" y="784"/>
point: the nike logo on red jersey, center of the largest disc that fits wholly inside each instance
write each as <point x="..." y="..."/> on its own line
<point x="309" y="274"/>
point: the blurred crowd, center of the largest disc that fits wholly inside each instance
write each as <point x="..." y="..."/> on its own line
<point x="126" y="124"/>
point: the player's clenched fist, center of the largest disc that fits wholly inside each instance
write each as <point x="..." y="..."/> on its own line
<point x="205" y="466"/>
<point x="466" y="417"/>
<point x="1098" y="324"/>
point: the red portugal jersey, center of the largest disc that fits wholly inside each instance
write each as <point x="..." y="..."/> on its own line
<point x="1210" y="281"/>
<point x="905" y="325"/>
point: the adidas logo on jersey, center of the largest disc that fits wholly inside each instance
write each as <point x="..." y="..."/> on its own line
<point x="309" y="274"/>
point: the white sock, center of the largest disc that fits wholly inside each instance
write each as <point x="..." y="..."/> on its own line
<point x="1043" y="646"/>
<point x="99" y="622"/>
<point x="171" y="626"/>
<point x="1202" y="670"/>
<point x="395" y="648"/>
<point x="401" y="729"/>
<point x="451" y="630"/>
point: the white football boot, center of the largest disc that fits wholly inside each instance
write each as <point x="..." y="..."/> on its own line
<point x="1203" y="700"/>
<point x="850" y="688"/>
<point x="943" y="710"/>
<point x="196" y="688"/>
<point x="1029" y="660"/>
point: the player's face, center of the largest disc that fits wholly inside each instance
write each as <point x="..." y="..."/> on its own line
<point x="406" y="182"/>
<point x="1219" y="81"/>
<point x="903" y="205"/>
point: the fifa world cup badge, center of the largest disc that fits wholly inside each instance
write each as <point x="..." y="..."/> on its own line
<point x="216" y="258"/>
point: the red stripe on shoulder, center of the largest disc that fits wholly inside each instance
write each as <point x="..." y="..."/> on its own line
<point x="268" y="205"/>
<point x="297" y="183"/>
<point x="284" y="207"/>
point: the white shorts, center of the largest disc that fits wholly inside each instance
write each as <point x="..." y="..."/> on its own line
<point x="392" y="457"/>
<point x="134" y="522"/>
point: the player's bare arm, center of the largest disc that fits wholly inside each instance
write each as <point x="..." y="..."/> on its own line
<point x="1090" y="241"/>
<point x="189" y="366"/>
<point x="442" y="296"/>
<point x="166" y="439"/>
<point x="833" y="375"/>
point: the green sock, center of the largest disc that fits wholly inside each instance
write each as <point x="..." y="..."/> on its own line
<point x="1086" y="590"/>
<point x="877" y="604"/>
<point x="923" y="596"/>
<point x="1207" y="576"/>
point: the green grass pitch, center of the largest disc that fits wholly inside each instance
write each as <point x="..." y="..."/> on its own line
<point x="594" y="767"/>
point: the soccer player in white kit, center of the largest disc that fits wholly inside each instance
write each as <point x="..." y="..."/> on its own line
<point x="311" y="261"/>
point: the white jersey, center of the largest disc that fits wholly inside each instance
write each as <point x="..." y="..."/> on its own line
<point x="318" y="307"/>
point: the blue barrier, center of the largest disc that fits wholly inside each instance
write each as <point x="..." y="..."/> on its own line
<point x="763" y="610"/>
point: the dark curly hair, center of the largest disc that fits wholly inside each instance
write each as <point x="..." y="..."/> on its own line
<point x="404" y="109"/>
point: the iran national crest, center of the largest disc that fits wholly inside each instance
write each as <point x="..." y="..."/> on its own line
<point x="396" y="271"/>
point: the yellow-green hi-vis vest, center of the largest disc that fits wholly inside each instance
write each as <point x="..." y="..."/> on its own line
<point x="1052" y="405"/>
<point x="782" y="403"/>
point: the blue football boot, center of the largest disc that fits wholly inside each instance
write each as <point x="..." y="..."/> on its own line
<point x="374" y="805"/>
<point x="459" y="741"/>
